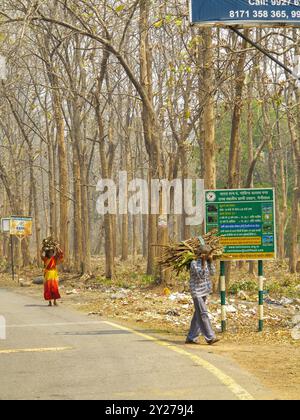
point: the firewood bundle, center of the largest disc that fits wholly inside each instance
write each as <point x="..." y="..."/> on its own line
<point x="179" y="257"/>
<point x="50" y="244"/>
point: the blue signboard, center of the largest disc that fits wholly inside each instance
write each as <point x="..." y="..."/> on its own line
<point x="245" y="12"/>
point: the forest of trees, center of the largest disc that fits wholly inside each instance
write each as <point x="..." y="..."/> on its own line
<point x="94" y="87"/>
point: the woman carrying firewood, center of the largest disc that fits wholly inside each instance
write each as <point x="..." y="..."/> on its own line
<point x="51" y="255"/>
<point x="201" y="287"/>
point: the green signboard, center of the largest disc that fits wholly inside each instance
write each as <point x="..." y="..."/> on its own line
<point x="245" y="220"/>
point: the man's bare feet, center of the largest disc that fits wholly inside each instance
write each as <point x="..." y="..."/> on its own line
<point x="50" y="304"/>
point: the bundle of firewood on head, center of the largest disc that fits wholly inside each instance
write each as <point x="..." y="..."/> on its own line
<point x="179" y="257"/>
<point x="50" y="244"/>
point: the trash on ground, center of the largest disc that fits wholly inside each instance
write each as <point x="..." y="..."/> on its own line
<point x="230" y="309"/>
<point x="25" y="283"/>
<point x="72" y="292"/>
<point x="296" y="332"/>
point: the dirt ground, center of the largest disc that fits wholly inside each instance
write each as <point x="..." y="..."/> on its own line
<point x="132" y="298"/>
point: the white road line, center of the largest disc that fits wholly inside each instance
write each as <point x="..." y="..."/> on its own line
<point x="38" y="350"/>
<point x="62" y="324"/>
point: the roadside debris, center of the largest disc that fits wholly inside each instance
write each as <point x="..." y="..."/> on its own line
<point x="183" y="298"/>
<point x="38" y="280"/>
<point x="230" y="309"/>
<point x="243" y="296"/>
<point x="85" y="278"/>
<point x="72" y="292"/>
<point x="296" y="332"/>
<point x="285" y="301"/>
<point x="122" y="294"/>
<point x="282" y="302"/>
<point x="296" y="320"/>
<point x="95" y="313"/>
<point x="25" y="283"/>
<point x="173" y="313"/>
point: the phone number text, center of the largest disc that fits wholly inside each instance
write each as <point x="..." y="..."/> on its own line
<point x="264" y="14"/>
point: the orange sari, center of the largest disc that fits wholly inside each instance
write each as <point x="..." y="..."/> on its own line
<point x="51" y="280"/>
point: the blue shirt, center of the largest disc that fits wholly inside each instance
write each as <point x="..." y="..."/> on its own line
<point x="200" y="282"/>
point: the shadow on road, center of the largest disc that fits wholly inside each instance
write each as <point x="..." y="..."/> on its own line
<point x="110" y="332"/>
<point x="171" y="342"/>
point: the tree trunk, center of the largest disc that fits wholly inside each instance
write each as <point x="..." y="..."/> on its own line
<point x="87" y="266"/>
<point x="78" y="242"/>
<point x="294" y="126"/>
<point x="235" y="143"/>
<point x="250" y="148"/>
<point x="158" y="232"/>
<point x="209" y="152"/>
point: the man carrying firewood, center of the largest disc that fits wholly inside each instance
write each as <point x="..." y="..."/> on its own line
<point x="201" y="287"/>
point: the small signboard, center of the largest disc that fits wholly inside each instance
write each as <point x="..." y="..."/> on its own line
<point x="3" y="68"/>
<point x="246" y="12"/>
<point x="5" y="225"/>
<point x="21" y="226"/>
<point x="246" y="221"/>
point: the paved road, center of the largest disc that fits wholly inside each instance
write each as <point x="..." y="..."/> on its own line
<point x="56" y="353"/>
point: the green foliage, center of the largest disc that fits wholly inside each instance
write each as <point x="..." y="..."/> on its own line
<point x="120" y="8"/>
<point x="245" y="286"/>
<point x="285" y="287"/>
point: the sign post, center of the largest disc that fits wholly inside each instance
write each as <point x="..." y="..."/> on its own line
<point x="12" y="257"/>
<point x="261" y="295"/>
<point x="20" y="227"/>
<point x="223" y="298"/>
<point x="245" y="220"/>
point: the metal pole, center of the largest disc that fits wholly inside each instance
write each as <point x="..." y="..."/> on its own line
<point x="223" y="297"/>
<point x="261" y="295"/>
<point x="12" y="257"/>
<point x="20" y="239"/>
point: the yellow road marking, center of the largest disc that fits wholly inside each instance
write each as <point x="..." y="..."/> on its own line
<point x="226" y="380"/>
<point x="41" y="350"/>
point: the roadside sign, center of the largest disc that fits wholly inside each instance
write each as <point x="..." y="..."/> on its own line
<point x="3" y="68"/>
<point x="245" y="12"/>
<point x="5" y="225"/>
<point x="21" y="226"/>
<point x="246" y="221"/>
